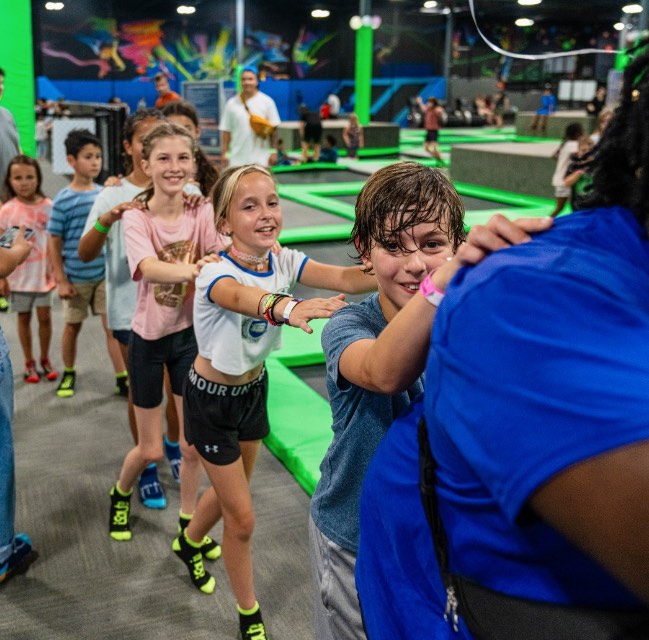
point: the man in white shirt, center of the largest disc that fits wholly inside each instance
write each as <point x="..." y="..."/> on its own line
<point x="334" y="105"/>
<point x="237" y="136"/>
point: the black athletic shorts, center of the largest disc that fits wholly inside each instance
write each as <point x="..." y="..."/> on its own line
<point x="313" y="133"/>
<point x="217" y="416"/>
<point x="431" y="135"/>
<point x="147" y="360"/>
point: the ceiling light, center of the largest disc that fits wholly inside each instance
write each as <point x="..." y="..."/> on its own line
<point x="54" y="6"/>
<point x="320" y="13"/>
<point x="528" y="3"/>
<point x="524" y="22"/>
<point x="186" y="11"/>
<point x="430" y="4"/>
<point x="618" y="26"/>
<point x="632" y="8"/>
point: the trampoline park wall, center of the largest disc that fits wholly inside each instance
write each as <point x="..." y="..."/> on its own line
<point x="16" y="58"/>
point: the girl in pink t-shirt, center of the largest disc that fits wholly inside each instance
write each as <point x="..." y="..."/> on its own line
<point x="165" y="243"/>
<point x="32" y="282"/>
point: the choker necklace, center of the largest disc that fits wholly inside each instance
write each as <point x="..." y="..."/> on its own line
<point x="246" y="257"/>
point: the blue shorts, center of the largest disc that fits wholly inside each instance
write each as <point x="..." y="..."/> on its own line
<point x="147" y="360"/>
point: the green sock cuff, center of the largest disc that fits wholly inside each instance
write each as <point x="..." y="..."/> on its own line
<point x="185" y="516"/>
<point x="124" y="494"/>
<point x="121" y="374"/>
<point x="69" y="369"/>
<point x="248" y="612"/>
<point x="191" y="543"/>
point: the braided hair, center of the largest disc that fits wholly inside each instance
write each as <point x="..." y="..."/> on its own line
<point x="621" y="165"/>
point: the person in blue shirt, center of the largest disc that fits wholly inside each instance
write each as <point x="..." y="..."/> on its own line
<point x="80" y="284"/>
<point x="329" y="151"/>
<point x="548" y="107"/>
<point x="535" y="409"/>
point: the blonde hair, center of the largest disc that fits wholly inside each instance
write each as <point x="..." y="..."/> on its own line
<point x="226" y="186"/>
<point x="166" y="130"/>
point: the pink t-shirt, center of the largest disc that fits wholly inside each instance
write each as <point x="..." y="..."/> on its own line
<point x="163" y="309"/>
<point x="35" y="275"/>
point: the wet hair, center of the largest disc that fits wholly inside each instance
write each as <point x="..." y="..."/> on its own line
<point x="130" y="128"/>
<point x="206" y="172"/>
<point x="22" y="159"/>
<point x="77" y="139"/>
<point x="226" y="187"/>
<point x="621" y="164"/>
<point x="400" y="196"/>
<point x="162" y="131"/>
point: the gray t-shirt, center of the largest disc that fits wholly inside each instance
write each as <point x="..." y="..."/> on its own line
<point x="360" y="420"/>
<point x="9" y="140"/>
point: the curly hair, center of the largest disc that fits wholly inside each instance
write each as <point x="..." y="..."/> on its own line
<point x="621" y="165"/>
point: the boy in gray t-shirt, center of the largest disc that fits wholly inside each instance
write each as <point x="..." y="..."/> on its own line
<point x="409" y="222"/>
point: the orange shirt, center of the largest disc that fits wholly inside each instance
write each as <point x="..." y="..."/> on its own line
<point x="172" y="96"/>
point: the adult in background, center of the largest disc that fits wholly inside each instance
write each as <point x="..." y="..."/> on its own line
<point x="9" y="140"/>
<point x="237" y="135"/>
<point x="310" y="134"/>
<point x="595" y="106"/>
<point x="536" y="417"/>
<point x="165" y="94"/>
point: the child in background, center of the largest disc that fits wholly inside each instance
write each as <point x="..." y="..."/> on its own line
<point x="240" y="303"/>
<point x="578" y="175"/>
<point x="80" y="285"/>
<point x="329" y="151"/>
<point x="32" y="282"/>
<point x="548" y="107"/>
<point x="104" y="230"/>
<point x="183" y="113"/>
<point x="353" y="136"/>
<point x="282" y="157"/>
<point x="568" y="147"/>
<point x="164" y="243"/>
<point x="433" y="116"/>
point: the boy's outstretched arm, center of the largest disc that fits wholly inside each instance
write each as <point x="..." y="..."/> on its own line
<point x="328" y="276"/>
<point x="393" y="361"/>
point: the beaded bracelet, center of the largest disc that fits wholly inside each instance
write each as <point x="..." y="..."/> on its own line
<point x="100" y="227"/>
<point x="269" y="306"/>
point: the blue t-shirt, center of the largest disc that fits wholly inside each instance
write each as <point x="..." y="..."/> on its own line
<point x="539" y="360"/>
<point x="69" y="214"/>
<point x="360" y="420"/>
<point x="328" y="154"/>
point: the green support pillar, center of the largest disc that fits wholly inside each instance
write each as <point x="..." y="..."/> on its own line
<point x="363" y="75"/>
<point x="17" y="60"/>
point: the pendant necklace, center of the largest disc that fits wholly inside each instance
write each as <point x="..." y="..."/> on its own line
<point x="246" y="257"/>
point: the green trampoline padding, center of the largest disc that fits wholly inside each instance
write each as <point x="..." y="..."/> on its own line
<point x="300" y="423"/>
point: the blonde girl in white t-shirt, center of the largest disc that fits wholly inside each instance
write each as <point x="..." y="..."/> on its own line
<point x="240" y="303"/>
<point x="167" y="242"/>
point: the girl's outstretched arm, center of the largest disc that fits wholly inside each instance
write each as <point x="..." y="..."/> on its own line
<point x="154" y="270"/>
<point x="250" y="301"/>
<point x="328" y="276"/>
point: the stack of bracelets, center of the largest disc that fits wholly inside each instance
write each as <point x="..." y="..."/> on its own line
<point x="269" y="307"/>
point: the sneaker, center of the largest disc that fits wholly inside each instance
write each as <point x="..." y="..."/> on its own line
<point x="172" y="451"/>
<point x="193" y="559"/>
<point x="120" y="507"/>
<point x="31" y="375"/>
<point x="254" y="631"/>
<point x="66" y="386"/>
<point x="48" y="370"/>
<point x="150" y="490"/>
<point x="20" y="559"/>
<point x="4" y="304"/>
<point x="210" y="549"/>
<point x="121" y="384"/>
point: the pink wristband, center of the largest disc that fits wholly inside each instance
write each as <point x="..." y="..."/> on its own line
<point x="430" y="291"/>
